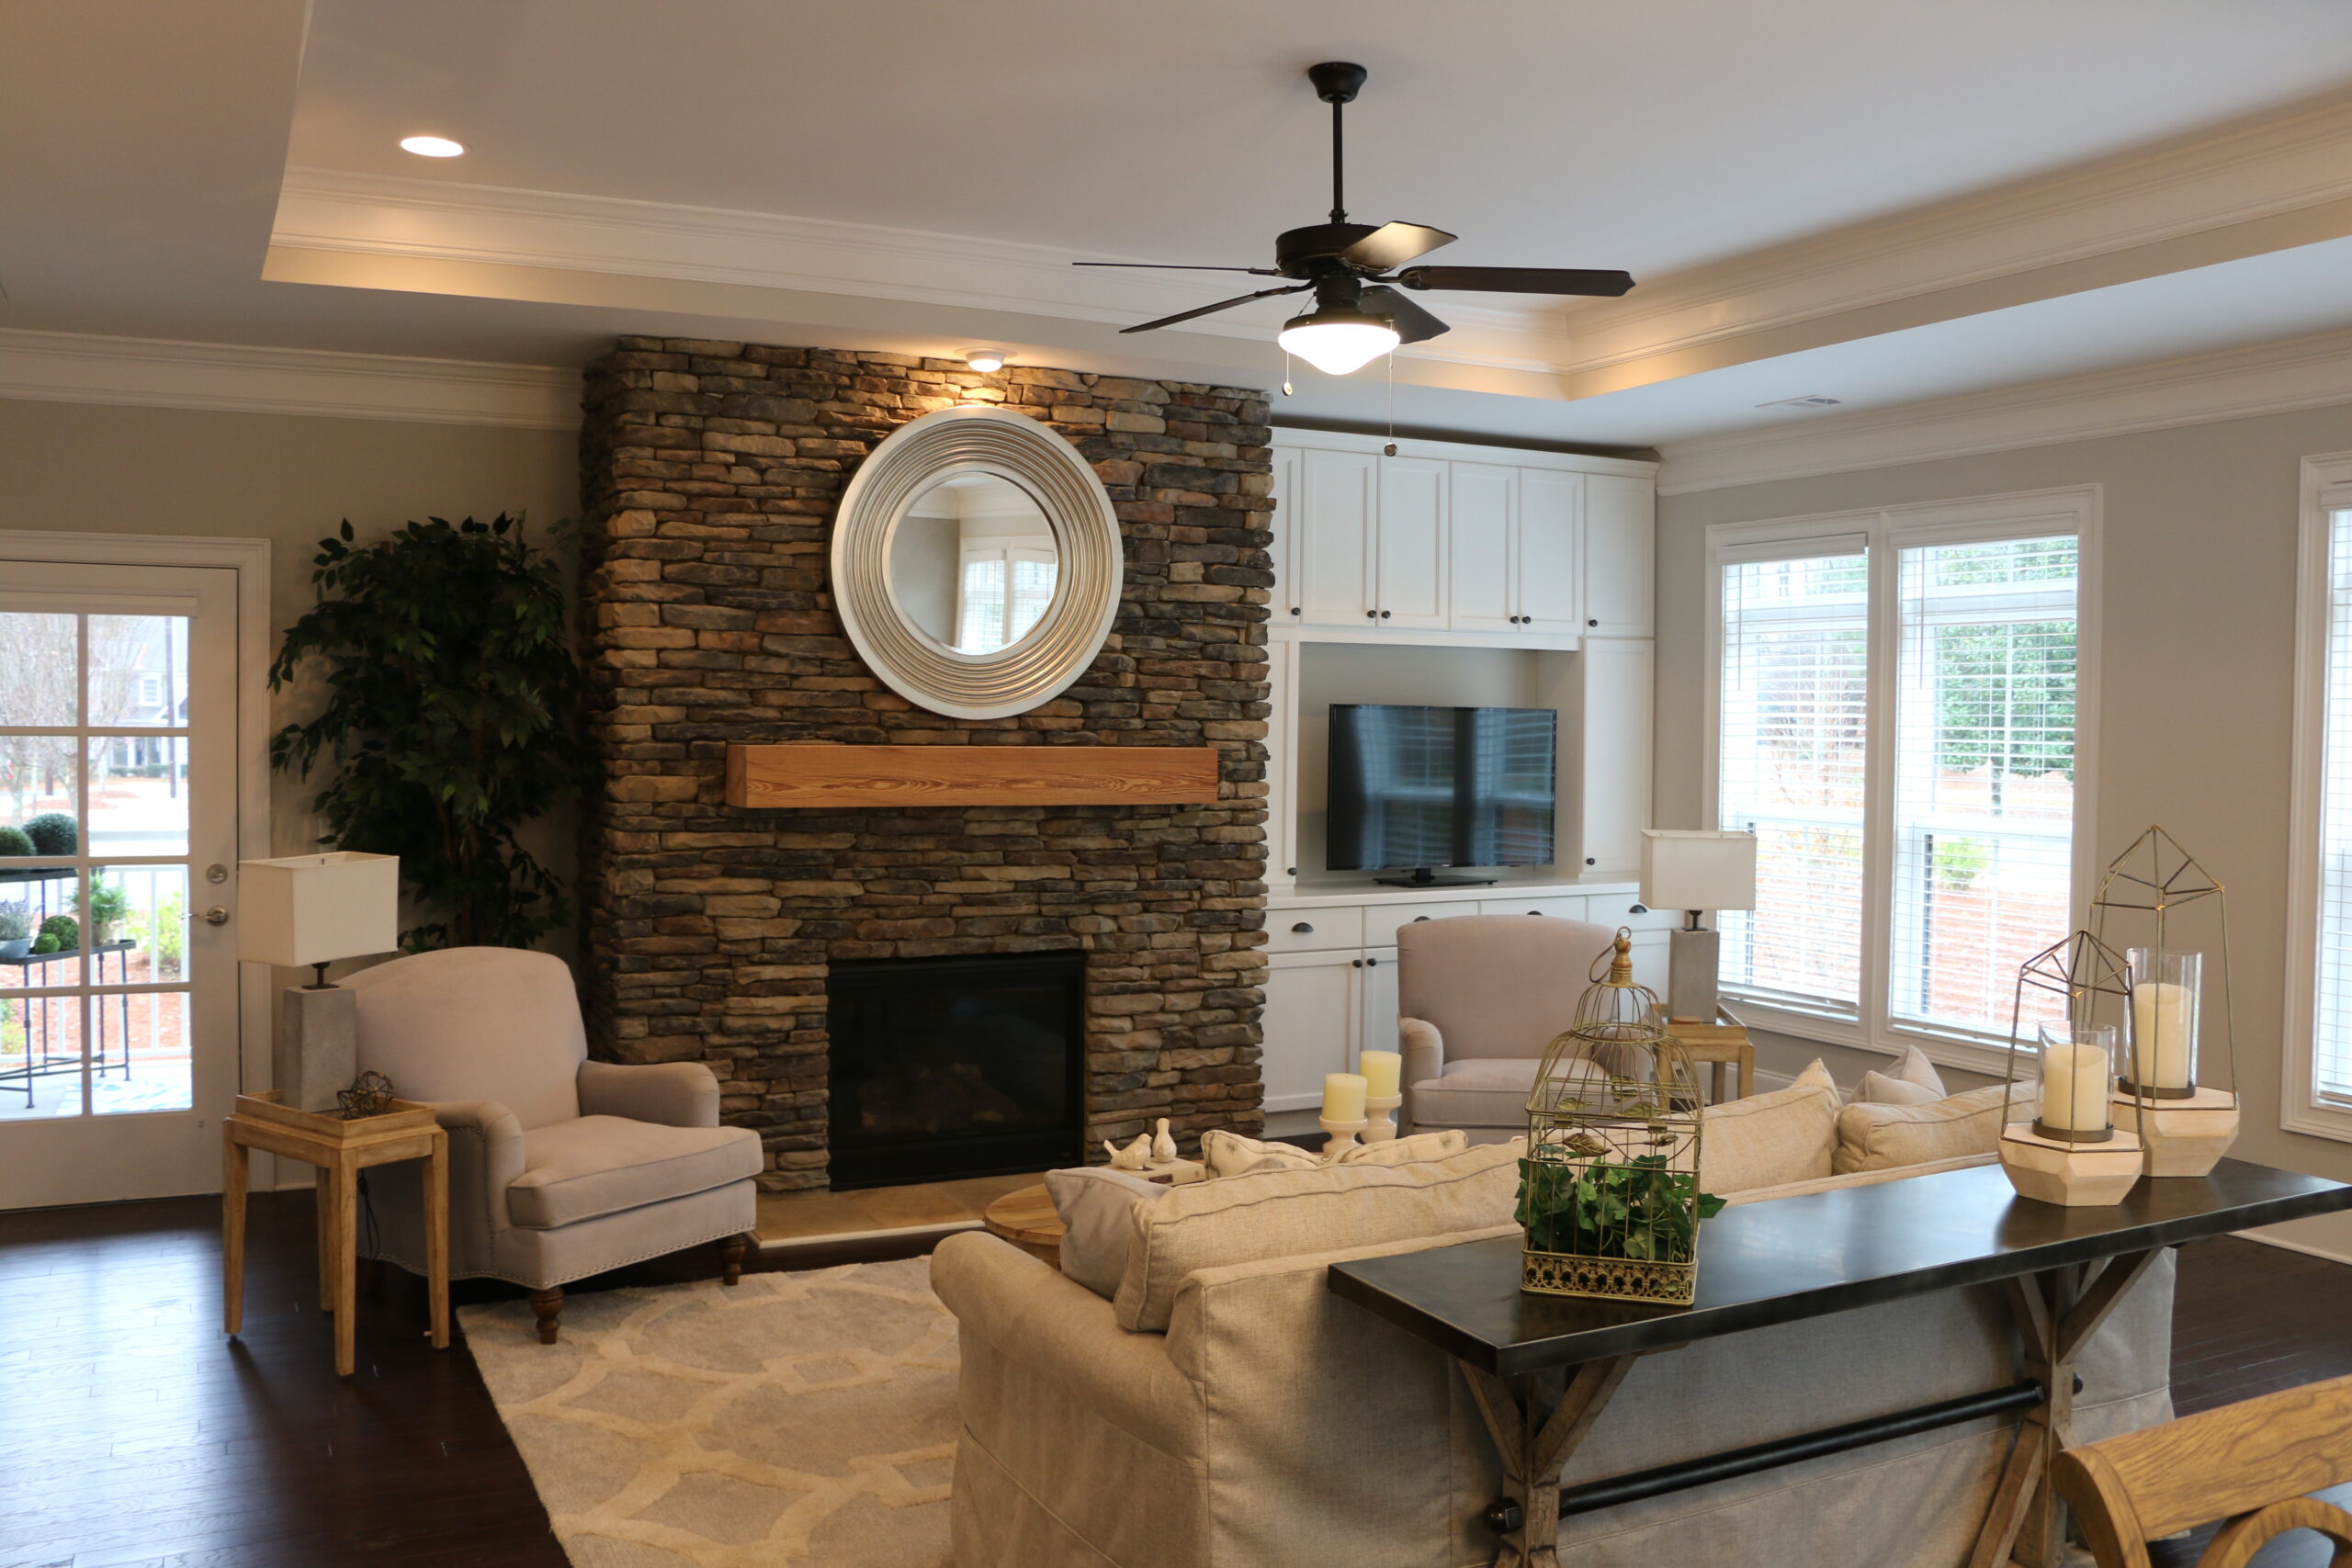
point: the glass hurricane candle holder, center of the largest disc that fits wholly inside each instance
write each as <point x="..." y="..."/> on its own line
<point x="2077" y="1081"/>
<point x="2167" y="988"/>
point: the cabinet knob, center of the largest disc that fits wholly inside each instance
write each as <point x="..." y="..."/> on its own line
<point x="1293" y="609"/>
<point x="1357" y="964"/>
<point x="1303" y="928"/>
<point x="1372" y="963"/>
<point x="1371" y="614"/>
<point x="1384" y="615"/>
<point x="1589" y="861"/>
<point x="1592" y="623"/>
<point x="1292" y="871"/>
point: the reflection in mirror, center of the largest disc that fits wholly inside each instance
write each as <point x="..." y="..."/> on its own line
<point x="973" y="563"/>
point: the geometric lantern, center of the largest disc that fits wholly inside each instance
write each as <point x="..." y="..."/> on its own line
<point x="1608" y="1188"/>
<point x="2070" y="1151"/>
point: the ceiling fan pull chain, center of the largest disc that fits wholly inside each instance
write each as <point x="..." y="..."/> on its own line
<point x="1285" y="373"/>
<point x="1390" y="450"/>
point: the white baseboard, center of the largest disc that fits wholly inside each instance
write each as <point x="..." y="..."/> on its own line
<point x="2328" y="1237"/>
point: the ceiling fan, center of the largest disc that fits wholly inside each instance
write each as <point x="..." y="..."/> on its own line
<point x="1357" y="316"/>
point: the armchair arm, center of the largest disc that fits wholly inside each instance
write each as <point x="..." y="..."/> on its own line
<point x="673" y="1094"/>
<point x="1424" y="1051"/>
<point x="485" y="1158"/>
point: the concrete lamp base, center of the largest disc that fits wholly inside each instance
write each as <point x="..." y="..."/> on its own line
<point x="1690" y="996"/>
<point x="316" y="1054"/>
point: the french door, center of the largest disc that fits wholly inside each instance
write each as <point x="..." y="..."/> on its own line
<point x="117" y="860"/>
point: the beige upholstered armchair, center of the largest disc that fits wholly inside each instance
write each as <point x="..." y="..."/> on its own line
<point x="559" y="1167"/>
<point x="1478" y="996"/>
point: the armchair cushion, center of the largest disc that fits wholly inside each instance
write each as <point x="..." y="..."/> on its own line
<point x="602" y="1165"/>
<point x="495" y="1024"/>
<point x="675" y="1094"/>
<point x="1482" y="1091"/>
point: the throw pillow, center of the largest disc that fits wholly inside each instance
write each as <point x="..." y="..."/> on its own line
<point x="1405" y="1150"/>
<point x="1914" y="1082"/>
<point x="1769" y="1139"/>
<point x="1230" y="1154"/>
<point x="1881" y="1137"/>
<point x="1097" y="1208"/>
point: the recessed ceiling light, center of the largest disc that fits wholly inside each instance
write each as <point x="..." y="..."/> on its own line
<point x="432" y="146"/>
<point x="987" y="361"/>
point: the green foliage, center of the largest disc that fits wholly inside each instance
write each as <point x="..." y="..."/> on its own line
<point x="1958" y="861"/>
<point x="2006" y="695"/>
<point x="170" y="929"/>
<point x="53" y="833"/>
<point x="1639" y="1209"/>
<point x="457" y="712"/>
<point x="110" y="902"/>
<point x="63" y="933"/>
<point x="13" y="841"/>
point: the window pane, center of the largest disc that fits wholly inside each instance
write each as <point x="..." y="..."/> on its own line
<point x="139" y="1052"/>
<point x="36" y="671"/>
<point x="137" y="671"/>
<point x="40" y="930"/>
<point x="1794" y="728"/>
<point x="1984" y="777"/>
<point x="982" y="630"/>
<point x="1033" y="592"/>
<point x="2332" y="1029"/>
<point x="137" y="795"/>
<point x="139" y="924"/>
<point x="40" y="1057"/>
<point x="35" y="777"/>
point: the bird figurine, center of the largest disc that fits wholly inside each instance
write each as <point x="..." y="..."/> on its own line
<point x="1132" y="1158"/>
<point x="1163" y="1147"/>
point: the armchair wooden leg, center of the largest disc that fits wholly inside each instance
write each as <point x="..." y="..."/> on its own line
<point x="549" y="1305"/>
<point x="730" y="1257"/>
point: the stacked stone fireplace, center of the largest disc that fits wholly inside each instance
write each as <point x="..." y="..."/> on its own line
<point x="711" y="474"/>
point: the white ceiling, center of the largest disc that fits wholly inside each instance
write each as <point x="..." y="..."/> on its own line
<point x="913" y="174"/>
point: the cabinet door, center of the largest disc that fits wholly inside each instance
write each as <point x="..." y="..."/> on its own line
<point x="1376" y="1005"/>
<point x="1653" y="955"/>
<point x="1483" y="501"/>
<point x="1282" y="763"/>
<point x="1332" y="544"/>
<point x="1288" y="607"/>
<point x="1412" y="543"/>
<point x="1551" y="507"/>
<point x="1311" y="999"/>
<point x="1615" y="736"/>
<point x="1619" y="556"/>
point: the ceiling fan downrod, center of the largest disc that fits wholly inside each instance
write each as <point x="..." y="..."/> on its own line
<point x="1336" y="81"/>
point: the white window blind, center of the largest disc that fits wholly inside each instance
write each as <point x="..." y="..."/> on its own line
<point x="1983" y="799"/>
<point x="1791" y="769"/>
<point x="2331" y="1025"/>
<point x="1006" y="590"/>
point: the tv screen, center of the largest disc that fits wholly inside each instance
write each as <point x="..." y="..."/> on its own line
<point x="1413" y="787"/>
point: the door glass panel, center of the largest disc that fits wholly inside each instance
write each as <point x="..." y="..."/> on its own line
<point x="40" y="1057"/>
<point x="138" y="920"/>
<point x="139" y="1052"/>
<point x="41" y="905"/>
<point x="138" y="795"/>
<point x="37" y="667"/>
<point x="36" y="778"/>
<point x="137" y="671"/>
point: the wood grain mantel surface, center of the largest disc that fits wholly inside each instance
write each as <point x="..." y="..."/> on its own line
<point x="837" y="776"/>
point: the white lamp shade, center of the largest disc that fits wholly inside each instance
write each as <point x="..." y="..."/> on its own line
<point x="1683" y="869"/>
<point x="316" y="908"/>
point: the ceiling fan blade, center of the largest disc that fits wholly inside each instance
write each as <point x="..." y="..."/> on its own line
<point x="1413" y="324"/>
<point x="1519" y="279"/>
<point x="1184" y="267"/>
<point x="1211" y="310"/>
<point x="1394" y="244"/>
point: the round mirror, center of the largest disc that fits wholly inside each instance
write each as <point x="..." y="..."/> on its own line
<point x="973" y="563"/>
<point x="977" y="563"/>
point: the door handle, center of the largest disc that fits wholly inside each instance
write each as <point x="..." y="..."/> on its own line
<point x="216" y="915"/>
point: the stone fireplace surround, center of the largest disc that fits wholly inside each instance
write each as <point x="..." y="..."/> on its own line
<point x="710" y="472"/>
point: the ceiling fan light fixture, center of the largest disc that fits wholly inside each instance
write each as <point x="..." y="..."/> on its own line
<point x="1337" y="339"/>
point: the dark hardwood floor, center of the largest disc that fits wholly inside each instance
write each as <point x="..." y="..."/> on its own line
<point x="133" y="1436"/>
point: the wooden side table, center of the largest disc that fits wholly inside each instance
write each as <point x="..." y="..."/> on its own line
<point x="341" y="1150"/>
<point x="1724" y="1043"/>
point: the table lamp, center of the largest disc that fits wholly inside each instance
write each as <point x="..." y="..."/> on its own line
<point x="313" y="910"/>
<point x="1695" y="871"/>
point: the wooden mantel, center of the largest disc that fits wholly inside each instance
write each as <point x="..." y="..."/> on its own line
<point x="837" y="776"/>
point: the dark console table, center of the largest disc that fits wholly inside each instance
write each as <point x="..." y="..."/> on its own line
<point x="1542" y="1368"/>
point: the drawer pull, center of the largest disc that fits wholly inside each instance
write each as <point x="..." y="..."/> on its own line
<point x="1639" y="910"/>
<point x="1534" y="911"/>
<point x="1303" y="928"/>
<point x="1421" y="919"/>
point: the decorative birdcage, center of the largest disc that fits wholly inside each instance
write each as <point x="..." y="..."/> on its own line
<point x="1608" y="1188"/>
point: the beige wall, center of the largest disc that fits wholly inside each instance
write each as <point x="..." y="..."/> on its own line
<point x="2197" y="673"/>
<point x="89" y="468"/>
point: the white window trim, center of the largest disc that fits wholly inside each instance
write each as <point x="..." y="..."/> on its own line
<point x="2074" y="509"/>
<point x="2326" y="487"/>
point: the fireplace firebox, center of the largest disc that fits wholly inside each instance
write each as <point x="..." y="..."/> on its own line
<point x="943" y="1067"/>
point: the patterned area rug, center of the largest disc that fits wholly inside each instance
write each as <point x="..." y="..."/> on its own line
<point x="795" y="1418"/>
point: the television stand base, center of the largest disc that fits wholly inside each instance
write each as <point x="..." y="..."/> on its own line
<point x="1422" y="878"/>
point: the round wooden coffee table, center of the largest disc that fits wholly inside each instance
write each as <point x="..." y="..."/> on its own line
<point x="1026" y="1218"/>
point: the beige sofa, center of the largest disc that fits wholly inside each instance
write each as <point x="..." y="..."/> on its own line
<point x="1224" y="1410"/>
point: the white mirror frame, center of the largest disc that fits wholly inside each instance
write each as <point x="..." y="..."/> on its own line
<point x="1087" y="580"/>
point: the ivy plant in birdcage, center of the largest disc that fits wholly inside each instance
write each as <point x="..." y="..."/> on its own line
<point x="1609" y="1187"/>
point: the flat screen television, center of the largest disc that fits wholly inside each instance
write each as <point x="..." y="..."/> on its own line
<point x="1412" y="788"/>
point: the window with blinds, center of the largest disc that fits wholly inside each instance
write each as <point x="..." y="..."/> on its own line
<point x="2331" y="1057"/>
<point x="1983" y="765"/>
<point x="1791" y="769"/>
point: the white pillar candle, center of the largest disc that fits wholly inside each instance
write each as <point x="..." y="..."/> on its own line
<point x="1344" y="1096"/>
<point x="1382" y="1072"/>
<point x="2164" y="1028"/>
<point x="2073" y="1087"/>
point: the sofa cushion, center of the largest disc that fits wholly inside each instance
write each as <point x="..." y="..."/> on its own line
<point x="1402" y="1151"/>
<point x="1484" y="1091"/>
<point x="1284" y="1213"/>
<point x="1913" y="1080"/>
<point x="1878" y="1137"/>
<point x="1769" y="1140"/>
<point x="1096" y="1207"/>
<point x="1230" y="1154"/>
<point x="601" y="1165"/>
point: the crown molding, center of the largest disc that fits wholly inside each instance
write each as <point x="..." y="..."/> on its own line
<point x="74" y="367"/>
<point x="2239" y="383"/>
<point x="2276" y="180"/>
<point x="404" y="217"/>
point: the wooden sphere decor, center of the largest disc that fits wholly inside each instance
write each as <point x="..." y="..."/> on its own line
<point x="1090" y="574"/>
